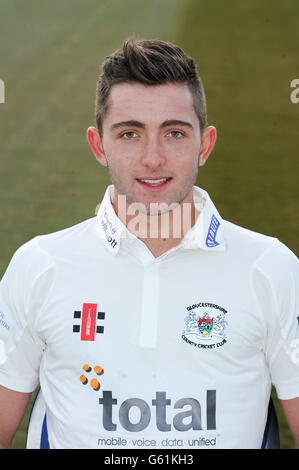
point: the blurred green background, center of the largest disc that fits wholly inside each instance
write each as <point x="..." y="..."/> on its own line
<point x="50" y="56"/>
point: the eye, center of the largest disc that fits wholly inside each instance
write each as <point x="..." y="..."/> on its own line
<point x="128" y="135"/>
<point x="176" y="134"/>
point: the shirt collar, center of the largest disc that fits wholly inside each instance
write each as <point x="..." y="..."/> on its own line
<point x="206" y="234"/>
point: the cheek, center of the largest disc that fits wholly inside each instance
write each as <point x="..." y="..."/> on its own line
<point x="121" y="155"/>
<point x="185" y="163"/>
<point x="115" y="157"/>
<point x="183" y="153"/>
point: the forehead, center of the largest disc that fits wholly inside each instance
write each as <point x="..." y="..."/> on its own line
<point x="150" y="103"/>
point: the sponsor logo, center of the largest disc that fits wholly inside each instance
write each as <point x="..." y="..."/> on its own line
<point x="88" y="326"/>
<point x="109" y="230"/>
<point x="211" y="237"/>
<point x="94" y="382"/>
<point x="134" y="421"/>
<point x="205" y="328"/>
<point x="135" y="414"/>
<point x="154" y="443"/>
<point x="4" y="325"/>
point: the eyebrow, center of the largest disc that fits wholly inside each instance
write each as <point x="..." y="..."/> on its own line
<point x="141" y="125"/>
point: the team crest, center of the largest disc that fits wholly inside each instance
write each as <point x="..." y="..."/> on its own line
<point x="205" y="324"/>
<point x="206" y="327"/>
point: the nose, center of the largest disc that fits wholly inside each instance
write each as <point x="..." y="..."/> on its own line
<point x="152" y="154"/>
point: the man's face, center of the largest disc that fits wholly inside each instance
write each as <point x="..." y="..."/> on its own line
<point x="151" y="143"/>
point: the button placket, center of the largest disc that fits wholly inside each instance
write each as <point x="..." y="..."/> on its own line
<point x="150" y="307"/>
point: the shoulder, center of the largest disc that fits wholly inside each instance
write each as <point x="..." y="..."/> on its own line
<point x="265" y="253"/>
<point x="241" y="236"/>
<point x="260" y="246"/>
<point x="74" y="234"/>
<point x="39" y="253"/>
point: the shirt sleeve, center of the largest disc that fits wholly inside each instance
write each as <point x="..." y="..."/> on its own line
<point x="276" y="280"/>
<point x="22" y="291"/>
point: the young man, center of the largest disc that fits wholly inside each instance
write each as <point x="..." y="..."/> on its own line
<point x="155" y="324"/>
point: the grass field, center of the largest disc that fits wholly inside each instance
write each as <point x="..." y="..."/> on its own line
<point x="50" y="52"/>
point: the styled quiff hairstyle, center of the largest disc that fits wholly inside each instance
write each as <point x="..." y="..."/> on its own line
<point x="149" y="62"/>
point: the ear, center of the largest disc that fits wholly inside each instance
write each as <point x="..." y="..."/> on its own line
<point x="96" y="145"/>
<point x="207" y="144"/>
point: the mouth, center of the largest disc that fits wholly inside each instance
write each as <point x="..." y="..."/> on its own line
<point x="154" y="184"/>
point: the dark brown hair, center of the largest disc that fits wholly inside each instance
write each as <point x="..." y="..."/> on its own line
<point x="150" y="62"/>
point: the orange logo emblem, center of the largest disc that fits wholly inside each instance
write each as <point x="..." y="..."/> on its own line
<point x="94" y="383"/>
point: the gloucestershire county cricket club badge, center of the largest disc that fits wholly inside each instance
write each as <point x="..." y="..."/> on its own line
<point x="205" y="326"/>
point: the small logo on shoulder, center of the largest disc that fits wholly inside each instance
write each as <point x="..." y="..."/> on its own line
<point x="211" y="237"/>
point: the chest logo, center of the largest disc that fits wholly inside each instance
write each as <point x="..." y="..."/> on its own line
<point x="89" y="317"/>
<point x="205" y="326"/>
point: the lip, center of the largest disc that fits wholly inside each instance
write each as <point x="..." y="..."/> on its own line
<point x="156" y="188"/>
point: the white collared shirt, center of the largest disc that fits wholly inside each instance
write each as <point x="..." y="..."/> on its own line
<point x="133" y="351"/>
